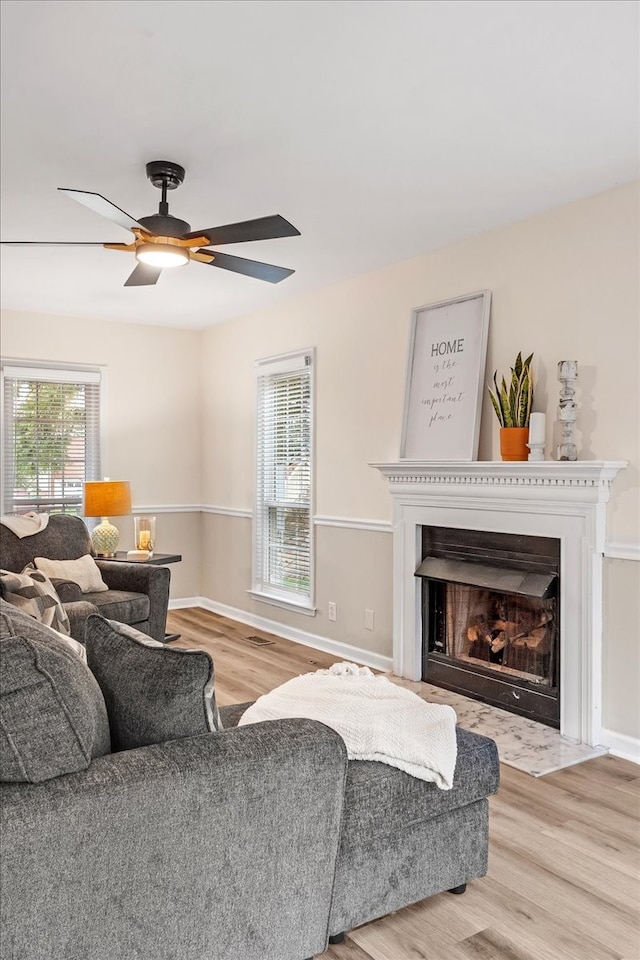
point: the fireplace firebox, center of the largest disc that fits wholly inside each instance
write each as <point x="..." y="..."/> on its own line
<point x="490" y="618"/>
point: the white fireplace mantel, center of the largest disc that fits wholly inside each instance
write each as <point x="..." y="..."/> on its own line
<point x="564" y="500"/>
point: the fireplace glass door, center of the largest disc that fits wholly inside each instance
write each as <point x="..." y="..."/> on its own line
<point x="512" y="635"/>
<point x="490" y="616"/>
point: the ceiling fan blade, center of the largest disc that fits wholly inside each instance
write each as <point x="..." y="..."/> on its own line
<point x="264" y="228"/>
<point x="143" y="276"/>
<point x="50" y="243"/>
<point x="100" y="204"/>
<point x="250" y="268"/>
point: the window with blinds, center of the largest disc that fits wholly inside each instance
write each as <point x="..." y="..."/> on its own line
<point x="51" y="437"/>
<point x="283" y="529"/>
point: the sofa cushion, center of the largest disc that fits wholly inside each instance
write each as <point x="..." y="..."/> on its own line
<point x="381" y="800"/>
<point x="32" y="592"/>
<point x="53" y="718"/>
<point x="153" y="693"/>
<point x="84" y="571"/>
<point x="121" y="605"/>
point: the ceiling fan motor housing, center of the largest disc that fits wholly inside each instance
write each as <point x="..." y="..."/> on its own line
<point x="165" y="225"/>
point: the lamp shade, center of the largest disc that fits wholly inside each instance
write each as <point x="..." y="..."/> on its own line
<point x="107" y="498"/>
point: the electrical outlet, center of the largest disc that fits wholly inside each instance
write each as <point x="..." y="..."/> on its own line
<point x="368" y="619"/>
<point x="333" y="610"/>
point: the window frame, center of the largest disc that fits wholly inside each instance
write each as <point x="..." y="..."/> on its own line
<point x="261" y="589"/>
<point x="46" y="372"/>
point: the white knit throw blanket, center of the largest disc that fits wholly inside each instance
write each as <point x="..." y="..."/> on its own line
<point x="26" y="524"/>
<point x="376" y="719"/>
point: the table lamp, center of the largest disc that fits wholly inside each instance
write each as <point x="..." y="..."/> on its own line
<point x="106" y="498"/>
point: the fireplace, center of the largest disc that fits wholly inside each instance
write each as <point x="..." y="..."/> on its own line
<point x="565" y="502"/>
<point x="490" y="617"/>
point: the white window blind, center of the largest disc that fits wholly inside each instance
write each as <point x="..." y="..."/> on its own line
<point x="283" y="529"/>
<point x="51" y="437"/>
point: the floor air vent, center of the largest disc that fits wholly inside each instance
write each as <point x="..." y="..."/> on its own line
<point x="259" y="641"/>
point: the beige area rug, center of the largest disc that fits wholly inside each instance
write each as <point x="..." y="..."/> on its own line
<point x="524" y="744"/>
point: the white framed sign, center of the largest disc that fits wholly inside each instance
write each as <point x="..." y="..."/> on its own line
<point x="445" y="379"/>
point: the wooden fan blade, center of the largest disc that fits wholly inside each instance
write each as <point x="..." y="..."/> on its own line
<point x="250" y="268"/>
<point x="100" y="204"/>
<point x="264" y="228"/>
<point x="143" y="276"/>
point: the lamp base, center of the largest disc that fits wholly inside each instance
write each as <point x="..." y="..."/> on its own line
<point x="105" y="539"/>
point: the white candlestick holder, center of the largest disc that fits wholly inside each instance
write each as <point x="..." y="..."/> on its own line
<point x="567" y="410"/>
<point x="536" y="451"/>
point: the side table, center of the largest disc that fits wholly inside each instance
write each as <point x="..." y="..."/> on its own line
<point x="159" y="559"/>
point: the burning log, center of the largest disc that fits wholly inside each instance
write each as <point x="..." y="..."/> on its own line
<point x="493" y="638"/>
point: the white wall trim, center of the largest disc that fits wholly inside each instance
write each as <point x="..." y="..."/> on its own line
<point x="181" y="603"/>
<point x="325" y="644"/>
<point x="616" y="550"/>
<point x="307" y="609"/>
<point x="375" y="526"/>
<point x="619" y="550"/>
<point x="168" y="508"/>
<point x="227" y="511"/>
<point x="349" y="523"/>
<point x="621" y="745"/>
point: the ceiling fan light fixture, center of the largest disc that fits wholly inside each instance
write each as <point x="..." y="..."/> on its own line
<point x="161" y="255"/>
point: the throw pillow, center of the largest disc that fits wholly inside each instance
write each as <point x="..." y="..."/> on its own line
<point x="33" y="593"/>
<point x="15" y="623"/>
<point x="153" y="693"/>
<point x="84" y="571"/>
<point x="53" y="719"/>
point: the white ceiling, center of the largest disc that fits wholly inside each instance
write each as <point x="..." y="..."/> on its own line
<point x="382" y="130"/>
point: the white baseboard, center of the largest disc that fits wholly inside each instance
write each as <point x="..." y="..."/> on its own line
<point x="621" y="745"/>
<point x="182" y="602"/>
<point x="325" y="644"/>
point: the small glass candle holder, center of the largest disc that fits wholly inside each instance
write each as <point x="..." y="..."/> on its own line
<point x="145" y="533"/>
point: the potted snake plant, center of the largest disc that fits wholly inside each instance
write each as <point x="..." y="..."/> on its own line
<point x="512" y="404"/>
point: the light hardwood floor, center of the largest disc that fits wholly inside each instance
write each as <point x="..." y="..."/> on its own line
<point x="564" y="862"/>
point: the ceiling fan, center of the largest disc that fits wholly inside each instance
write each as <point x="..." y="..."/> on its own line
<point x="163" y="241"/>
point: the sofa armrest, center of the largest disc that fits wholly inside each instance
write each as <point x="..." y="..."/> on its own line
<point x="219" y="845"/>
<point x="78" y="612"/>
<point x="68" y="590"/>
<point x="142" y="578"/>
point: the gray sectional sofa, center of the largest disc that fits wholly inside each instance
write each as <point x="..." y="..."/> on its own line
<point x="259" y="842"/>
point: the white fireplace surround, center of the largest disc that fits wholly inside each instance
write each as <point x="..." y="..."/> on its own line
<point x="565" y="500"/>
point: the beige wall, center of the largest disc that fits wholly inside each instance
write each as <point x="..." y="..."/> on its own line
<point x="152" y="430"/>
<point x="354" y="570"/>
<point x="564" y="285"/>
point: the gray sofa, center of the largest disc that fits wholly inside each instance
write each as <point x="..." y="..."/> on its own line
<point x="260" y="842"/>
<point x="138" y="593"/>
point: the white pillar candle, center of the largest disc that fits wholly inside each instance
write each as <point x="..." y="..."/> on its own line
<point x="537" y="427"/>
